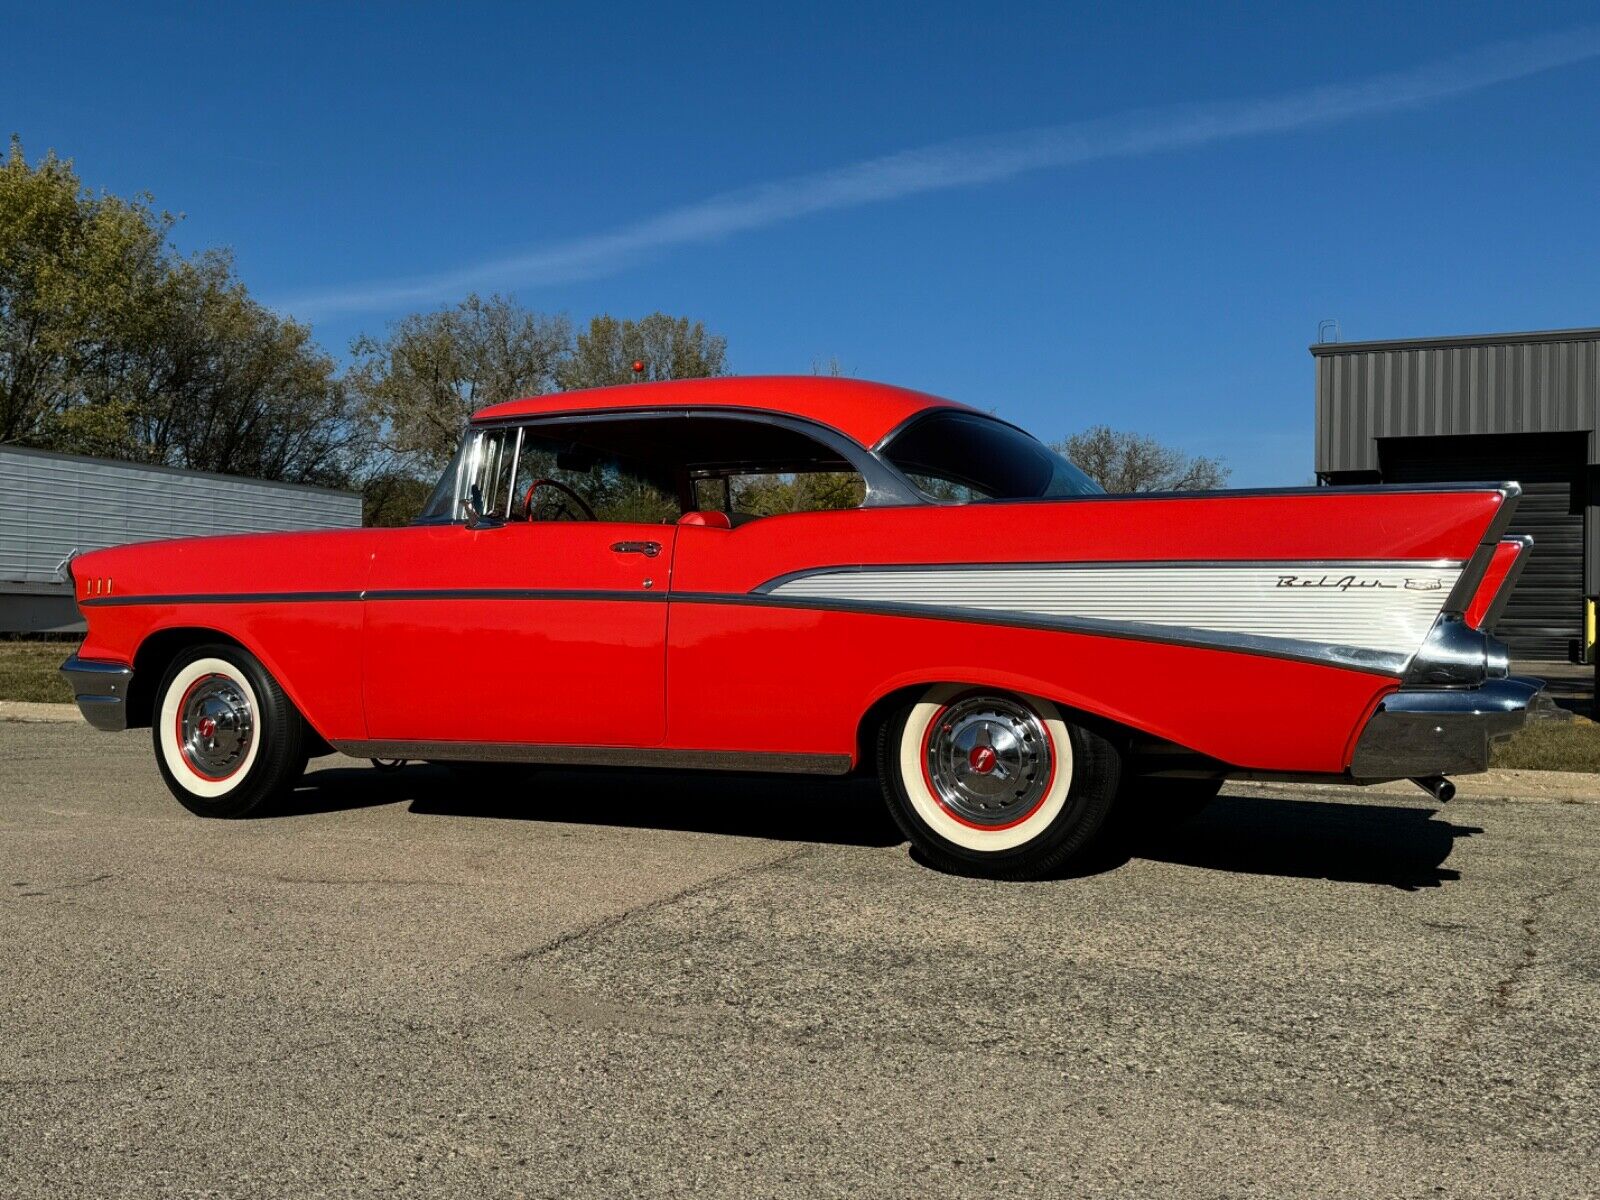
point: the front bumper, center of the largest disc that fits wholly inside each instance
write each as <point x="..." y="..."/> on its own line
<point x="1422" y="732"/>
<point x="101" y="689"/>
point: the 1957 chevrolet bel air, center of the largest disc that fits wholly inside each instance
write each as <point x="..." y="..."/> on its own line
<point x="823" y="575"/>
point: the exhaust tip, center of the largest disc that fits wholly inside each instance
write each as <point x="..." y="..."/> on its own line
<point x="1437" y="786"/>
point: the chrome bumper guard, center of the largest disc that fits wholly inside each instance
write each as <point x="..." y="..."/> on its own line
<point x="1424" y="732"/>
<point x="101" y="689"/>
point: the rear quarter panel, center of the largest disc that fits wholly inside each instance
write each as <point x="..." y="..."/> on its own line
<point x="752" y="676"/>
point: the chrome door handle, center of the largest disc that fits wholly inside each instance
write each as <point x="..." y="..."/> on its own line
<point x="648" y="549"/>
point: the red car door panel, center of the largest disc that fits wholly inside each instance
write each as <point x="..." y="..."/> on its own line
<point x="534" y="632"/>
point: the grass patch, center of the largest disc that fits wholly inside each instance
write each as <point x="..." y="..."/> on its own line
<point x="1551" y="746"/>
<point x="32" y="671"/>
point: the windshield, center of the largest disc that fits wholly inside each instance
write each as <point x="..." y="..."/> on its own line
<point x="963" y="456"/>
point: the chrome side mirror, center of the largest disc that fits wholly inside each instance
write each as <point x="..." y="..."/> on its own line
<point x="476" y="517"/>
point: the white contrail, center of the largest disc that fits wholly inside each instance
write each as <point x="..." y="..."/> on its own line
<point x="966" y="162"/>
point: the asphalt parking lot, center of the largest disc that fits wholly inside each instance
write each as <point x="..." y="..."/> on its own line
<point x="573" y="984"/>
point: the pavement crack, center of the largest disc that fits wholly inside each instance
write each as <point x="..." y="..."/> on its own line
<point x="133" y="1073"/>
<point x="363" y="881"/>
<point x="1502" y="996"/>
<point x="649" y="906"/>
<point x="65" y="887"/>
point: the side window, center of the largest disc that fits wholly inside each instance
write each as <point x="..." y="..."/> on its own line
<point x="647" y="468"/>
<point x="613" y="486"/>
<point x="769" y="493"/>
<point x="963" y="456"/>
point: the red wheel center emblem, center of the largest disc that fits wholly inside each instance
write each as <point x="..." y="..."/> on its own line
<point x="981" y="759"/>
<point x="207" y="727"/>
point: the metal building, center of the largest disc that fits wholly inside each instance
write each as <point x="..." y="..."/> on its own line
<point x="53" y="504"/>
<point x="1513" y="406"/>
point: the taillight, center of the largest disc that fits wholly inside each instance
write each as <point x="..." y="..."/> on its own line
<point x="1495" y="588"/>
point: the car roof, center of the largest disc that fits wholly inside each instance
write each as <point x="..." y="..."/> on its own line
<point x="861" y="410"/>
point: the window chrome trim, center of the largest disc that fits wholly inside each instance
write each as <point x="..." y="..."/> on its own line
<point x="511" y="480"/>
<point x="885" y="486"/>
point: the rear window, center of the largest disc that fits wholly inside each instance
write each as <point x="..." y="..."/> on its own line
<point x="957" y="456"/>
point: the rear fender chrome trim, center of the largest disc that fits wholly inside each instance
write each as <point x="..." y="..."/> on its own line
<point x="599" y="756"/>
<point x="1370" y="614"/>
<point x="1265" y="564"/>
<point x="1472" y="574"/>
<point x="1497" y="606"/>
<point x="1455" y="655"/>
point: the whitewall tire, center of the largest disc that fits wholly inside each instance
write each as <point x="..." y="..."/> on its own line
<point x="226" y="737"/>
<point x="995" y="783"/>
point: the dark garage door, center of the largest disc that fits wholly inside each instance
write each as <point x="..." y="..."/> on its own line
<point x="1545" y="613"/>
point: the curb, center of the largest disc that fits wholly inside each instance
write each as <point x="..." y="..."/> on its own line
<point x="35" y="713"/>
<point x="1515" y="786"/>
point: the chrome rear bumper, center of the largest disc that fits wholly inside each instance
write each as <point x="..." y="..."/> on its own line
<point x="1422" y="732"/>
<point x="101" y="689"/>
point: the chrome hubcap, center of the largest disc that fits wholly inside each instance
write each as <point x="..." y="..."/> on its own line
<point x="215" y="726"/>
<point x="989" y="760"/>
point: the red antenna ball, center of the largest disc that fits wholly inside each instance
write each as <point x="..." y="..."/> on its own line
<point x="638" y="366"/>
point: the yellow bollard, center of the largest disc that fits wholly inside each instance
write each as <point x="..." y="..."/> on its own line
<point x="1589" y="655"/>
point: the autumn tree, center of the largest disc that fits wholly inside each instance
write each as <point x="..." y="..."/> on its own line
<point x="1134" y="462"/>
<point x="664" y="347"/>
<point x="424" y="379"/>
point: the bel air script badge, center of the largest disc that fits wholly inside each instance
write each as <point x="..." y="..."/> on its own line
<point x="1345" y="583"/>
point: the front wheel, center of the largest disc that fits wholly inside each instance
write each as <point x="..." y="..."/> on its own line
<point x="226" y="737"/>
<point x="995" y="783"/>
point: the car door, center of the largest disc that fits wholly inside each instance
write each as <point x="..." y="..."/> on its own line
<point x="541" y="632"/>
<point x="548" y="632"/>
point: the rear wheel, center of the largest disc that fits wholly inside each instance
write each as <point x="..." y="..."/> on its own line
<point x="995" y="783"/>
<point x="226" y="737"/>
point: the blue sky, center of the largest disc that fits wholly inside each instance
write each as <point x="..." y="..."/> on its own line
<point x="1131" y="214"/>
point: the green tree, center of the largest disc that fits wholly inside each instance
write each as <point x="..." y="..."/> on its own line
<point x="392" y="497"/>
<point x="665" y="347"/>
<point x="113" y="343"/>
<point x="1135" y="462"/>
<point x="805" y="491"/>
<point x="73" y="270"/>
<point x="421" y="382"/>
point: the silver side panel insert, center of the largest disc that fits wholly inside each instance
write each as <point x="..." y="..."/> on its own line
<point x="1383" y="610"/>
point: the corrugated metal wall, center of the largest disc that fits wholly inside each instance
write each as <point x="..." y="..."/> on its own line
<point x="1370" y="390"/>
<point x="1497" y="384"/>
<point x="51" y="503"/>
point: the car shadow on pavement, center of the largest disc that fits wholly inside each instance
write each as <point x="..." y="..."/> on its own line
<point x="1402" y="847"/>
<point x="1399" y="846"/>
<point x="845" y="812"/>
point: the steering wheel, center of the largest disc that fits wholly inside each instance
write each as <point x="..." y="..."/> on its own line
<point x="527" y="498"/>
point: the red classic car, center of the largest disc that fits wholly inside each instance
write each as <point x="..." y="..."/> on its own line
<point x="823" y="575"/>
